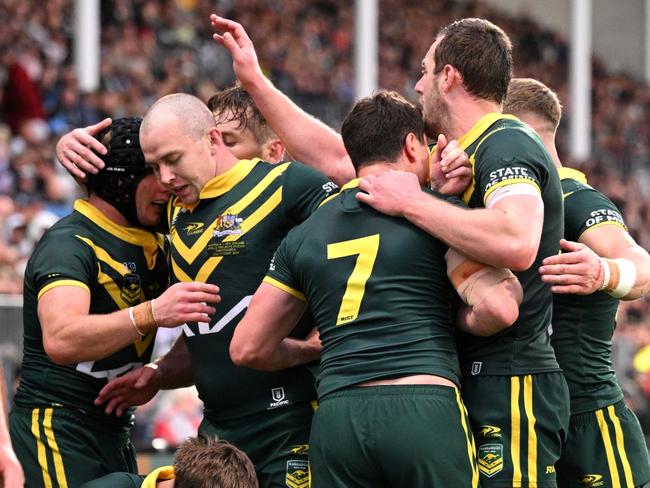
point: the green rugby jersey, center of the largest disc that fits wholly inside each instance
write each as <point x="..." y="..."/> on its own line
<point x="228" y="238"/>
<point x="583" y="325"/>
<point x="377" y="287"/>
<point x="120" y="267"/>
<point x="503" y="151"/>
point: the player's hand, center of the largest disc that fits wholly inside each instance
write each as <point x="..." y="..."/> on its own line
<point x="74" y="150"/>
<point x="389" y="192"/>
<point x="186" y="302"/>
<point x="233" y="37"/>
<point x="451" y="171"/>
<point x="136" y="387"/>
<point x="11" y="472"/>
<point x="577" y="270"/>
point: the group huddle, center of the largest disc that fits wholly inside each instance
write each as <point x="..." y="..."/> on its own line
<point x="416" y="327"/>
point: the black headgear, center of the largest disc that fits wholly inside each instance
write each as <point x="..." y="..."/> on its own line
<point x="124" y="167"/>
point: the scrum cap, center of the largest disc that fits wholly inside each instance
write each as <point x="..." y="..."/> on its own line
<point x="124" y="167"/>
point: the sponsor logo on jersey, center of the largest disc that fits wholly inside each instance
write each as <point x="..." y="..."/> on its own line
<point x="194" y="228"/>
<point x="476" y="367"/>
<point x="605" y="215"/>
<point x="279" y="398"/>
<point x="512" y="173"/>
<point x="300" y="449"/>
<point x="297" y="473"/>
<point x="490" y="459"/>
<point x="131" y="290"/>
<point x="591" y="480"/>
<point x="489" y="431"/>
<point x="329" y="187"/>
<point x="228" y="225"/>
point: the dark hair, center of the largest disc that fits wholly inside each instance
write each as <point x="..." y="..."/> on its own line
<point x="481" y="52"/>
<point x="207" y="462"/>
<point x="124" y="167"/>
<point x="242" y="108"/>
<point x="376" y="127"/>
<point x="527" y="95"/>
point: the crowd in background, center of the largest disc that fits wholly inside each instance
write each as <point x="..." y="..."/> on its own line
<point x="153" y="47"/>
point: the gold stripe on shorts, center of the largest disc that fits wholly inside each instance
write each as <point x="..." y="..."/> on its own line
<point x="515" y="421"/>
<point x="609" y="449"/>
<point x="56" y="454"/>
<point x="471" y="448"/>
<point x="532" y="436"/>
<point x="42" y="456"/>
<point x="620" y="446"/>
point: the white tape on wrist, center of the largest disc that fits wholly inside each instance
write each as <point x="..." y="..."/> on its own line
<point x="620" y="276"/>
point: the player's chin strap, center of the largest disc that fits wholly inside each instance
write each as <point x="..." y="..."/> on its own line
<point x="619" y="276"/>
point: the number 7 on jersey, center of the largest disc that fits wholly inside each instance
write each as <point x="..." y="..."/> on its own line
<point x="365" y="248"/>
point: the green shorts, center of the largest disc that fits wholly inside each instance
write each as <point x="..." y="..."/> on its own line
<point x="604" y="448"/>
<point x="415" y="436"/>
<point x="277" y="442"/>
<point x="59" y="447"/>
<point x="520" y="424"/>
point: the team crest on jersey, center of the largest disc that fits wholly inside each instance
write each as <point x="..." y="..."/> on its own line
<point x="476" y="367"/>
<point x="297" y="473"/>
<point x="490" y="459"/>
<point x="131" y="290"/>
<point x="591" y="480"/>
<point x="228" y="225"/>
<point x="194" y="228"/>
<point x="490" y="431"/>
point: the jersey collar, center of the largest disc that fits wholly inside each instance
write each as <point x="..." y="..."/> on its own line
<point x="160" y="474"/>
<point x="573" y="174"/>
<point x="351" y="184"/>
<point x="223" y="183"/>
<point x="481" y="126"/>
<point x="133" y="235"/>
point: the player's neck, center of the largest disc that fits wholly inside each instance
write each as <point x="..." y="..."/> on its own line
<point x="380" y="167"/>
<point x="108" y="210"/>
<point x="466" y="112"/>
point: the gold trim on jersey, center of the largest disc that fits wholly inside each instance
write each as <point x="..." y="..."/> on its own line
<point x="133" y="235"/>
<point x="472" y="136"/>
<point x="572" y="174"/>
<point x="159" y="474"/>
<point x="222" y="183"/>
<point x="350" y="184"/>
<point x="285" y="288"/>
<point x="141" y="344"/>
<point x="55" y="284"/>
<point x="471" y="447"/>
<point x="190" y="253"/>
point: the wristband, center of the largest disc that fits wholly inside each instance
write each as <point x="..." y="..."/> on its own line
<point x="153" y="312"/>
<point x="135" y="326"/>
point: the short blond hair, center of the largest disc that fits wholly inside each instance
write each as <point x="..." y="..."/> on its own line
<point x="526" y="95"/>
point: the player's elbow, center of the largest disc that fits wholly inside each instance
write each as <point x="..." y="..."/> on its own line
<point x="519" y="255"/>
<point x="58" y="350"/>
<point x="498" y="311"/>
<point x="245" y="354"/>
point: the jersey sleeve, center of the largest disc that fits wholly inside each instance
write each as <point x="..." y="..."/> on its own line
<point x="509" y="157"/>
<point x="588" y="209"/>
<point x="304" y="190"/>
<point x="63" y="261"/>
<point x="280" y="273"/>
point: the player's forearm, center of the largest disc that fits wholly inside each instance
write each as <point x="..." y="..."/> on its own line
<point x="306" y="138"/>
<point x="289" y="353"/>
<point x="489" y="236"/>
<point x="175" y="367"/>
<point x="81" y="338"/>
<point x="641" y="260"/>
<point x="497" y="311"/>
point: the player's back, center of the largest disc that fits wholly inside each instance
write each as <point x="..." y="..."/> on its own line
<point x="378" y="290"/>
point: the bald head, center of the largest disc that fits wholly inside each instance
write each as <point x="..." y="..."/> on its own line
<point x="193" y="115"/>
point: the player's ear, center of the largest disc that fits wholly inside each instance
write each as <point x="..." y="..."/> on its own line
<point x="411" y="147"/>
<point x="215" y="140"/>
<point x="273" y="151"/>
